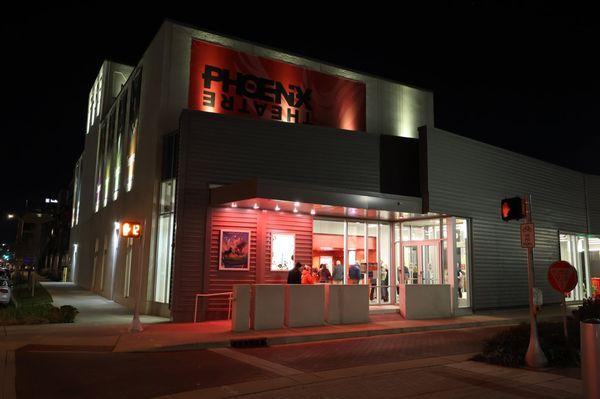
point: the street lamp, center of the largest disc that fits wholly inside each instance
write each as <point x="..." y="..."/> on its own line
<point x="10" y="216"/>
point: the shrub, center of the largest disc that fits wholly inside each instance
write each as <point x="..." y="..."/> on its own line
<point x="38" y="314"/>
<point x="589" y="309"/>
<point x="508" y="347"/>
<point x="68" y="313"/>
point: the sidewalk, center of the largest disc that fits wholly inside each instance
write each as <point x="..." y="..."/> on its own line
<point x="213" y="334"/>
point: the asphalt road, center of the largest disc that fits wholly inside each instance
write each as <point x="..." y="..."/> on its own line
<point x="97" y="372"/>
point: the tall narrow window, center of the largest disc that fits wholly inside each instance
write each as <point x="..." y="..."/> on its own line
<point x="122" y="109"/>
<point x="166" y="220"/>
<point x="463" y="265"/>
<point x="99" y="167"/>
<point x="95" y="263"/>
<point x="134" y="108"/>
<point x="103" y="263"/>
<point x="76" y="193"/>
<point x="573" y="250"/>
<point x="108" y="149"/>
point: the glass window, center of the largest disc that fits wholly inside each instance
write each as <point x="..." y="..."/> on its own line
<point x="328" y="247"/>
<point x="134" y="108"/>
<point x="164" y="247"/>
<point x="463" y="262"/>
<point x="283" y="246"/>
<point x="594" y="262"/>
<point x="356" y="252"/>
<point x="573" y="250"/>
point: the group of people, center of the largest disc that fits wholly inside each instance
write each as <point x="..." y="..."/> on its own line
<point x="304" y="274"/>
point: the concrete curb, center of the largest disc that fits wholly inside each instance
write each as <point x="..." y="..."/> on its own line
<point x="303" y="338"/>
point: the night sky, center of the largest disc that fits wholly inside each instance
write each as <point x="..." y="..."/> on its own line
<point x="523" y="78"/>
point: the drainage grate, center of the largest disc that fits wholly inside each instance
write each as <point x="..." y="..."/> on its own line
<point x="248" y="343"/>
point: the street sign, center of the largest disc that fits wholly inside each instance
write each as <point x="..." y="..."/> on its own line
<point x="527" y="235"/>
<point x="131" y="229"/>
<point x="562" y="276"/>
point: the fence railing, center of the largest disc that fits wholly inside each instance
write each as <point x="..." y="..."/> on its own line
<point x="228" y="294"/>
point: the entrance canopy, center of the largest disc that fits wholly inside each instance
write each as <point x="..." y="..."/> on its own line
<point x="316" y="200"/>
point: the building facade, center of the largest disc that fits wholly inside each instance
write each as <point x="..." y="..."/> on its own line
<point x="240" y="160"/>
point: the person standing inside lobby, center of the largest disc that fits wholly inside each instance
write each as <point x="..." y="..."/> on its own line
<point x="338" y="273"/>
<point x="354" y="273"/>
<point x="295" y="275"/>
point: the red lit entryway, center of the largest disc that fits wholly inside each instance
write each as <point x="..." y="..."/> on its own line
<point x="286" y="223"/>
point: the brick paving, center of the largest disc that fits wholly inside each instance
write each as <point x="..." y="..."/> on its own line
<point x="125" y="375"/>
<point x="431" y="365"/>
<point x="432" y="382"/>
<point x="319" y="356"/>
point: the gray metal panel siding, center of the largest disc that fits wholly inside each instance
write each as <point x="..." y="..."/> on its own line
<point x="468" y="178"/>
<point x="230" y="149"/>
<point x="221" y="149"/>
<point x="592" y="184"/>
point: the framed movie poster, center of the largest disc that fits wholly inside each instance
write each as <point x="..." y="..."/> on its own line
<point x="234" y="250"/>
<point x="283" y="246"/>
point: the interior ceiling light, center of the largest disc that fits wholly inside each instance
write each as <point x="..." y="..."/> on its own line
<point x="296" y="204"/>
<point x="234" y="205"/>
<point x="255" y="206"/>
<point x="277" y="208"/>
<point x="295" y="210"/>
<point x="312" y="212"/>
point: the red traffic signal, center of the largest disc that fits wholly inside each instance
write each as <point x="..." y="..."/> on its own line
<point x="512" y="209"/>
<point x="131" y="230"/>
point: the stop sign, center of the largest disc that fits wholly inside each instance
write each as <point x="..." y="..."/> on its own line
<point x="562" y="276"/>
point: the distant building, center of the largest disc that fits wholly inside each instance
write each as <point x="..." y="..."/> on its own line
<point x="55" y="254"/>
<point x="241" y="159"/>
<point x="43" y="230"/>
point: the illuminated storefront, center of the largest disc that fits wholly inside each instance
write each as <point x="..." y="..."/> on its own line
<point x="243" y="160"/>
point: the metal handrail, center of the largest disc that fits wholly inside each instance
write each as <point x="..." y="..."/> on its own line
<point x="229" y="295"/>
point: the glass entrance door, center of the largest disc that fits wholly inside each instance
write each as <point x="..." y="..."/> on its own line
<point x="430" y="264"/>
<point x="421" y="262"/>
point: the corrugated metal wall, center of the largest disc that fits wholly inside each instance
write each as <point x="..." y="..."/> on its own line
<point x="592" y="184"/>
<point x="468" y="178"/>
<point x="223" y="150"/>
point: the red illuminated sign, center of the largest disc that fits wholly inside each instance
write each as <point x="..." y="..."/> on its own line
<point x="229" y="82"/>
<point x="131" y="230"/>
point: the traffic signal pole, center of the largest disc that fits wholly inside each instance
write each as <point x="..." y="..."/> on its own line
<point x="535" y="356"/>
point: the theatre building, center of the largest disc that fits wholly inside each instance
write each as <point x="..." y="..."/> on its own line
<point x="241" y="160"/>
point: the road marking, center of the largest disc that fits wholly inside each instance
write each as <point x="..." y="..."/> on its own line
<point x="7" y="374"/>
<point x="257" y="362"/>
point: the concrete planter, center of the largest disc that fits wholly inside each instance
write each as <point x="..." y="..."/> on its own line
<point x="425" y="301"/>
<point x="304" y="305"/>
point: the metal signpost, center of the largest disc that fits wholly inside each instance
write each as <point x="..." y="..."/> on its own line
<point x="563" y="278"/>
<point x="132" y="229"/>
<point x="535" y="356"/>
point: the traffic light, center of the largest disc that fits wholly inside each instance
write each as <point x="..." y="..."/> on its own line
<point x="512" y="209"/>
